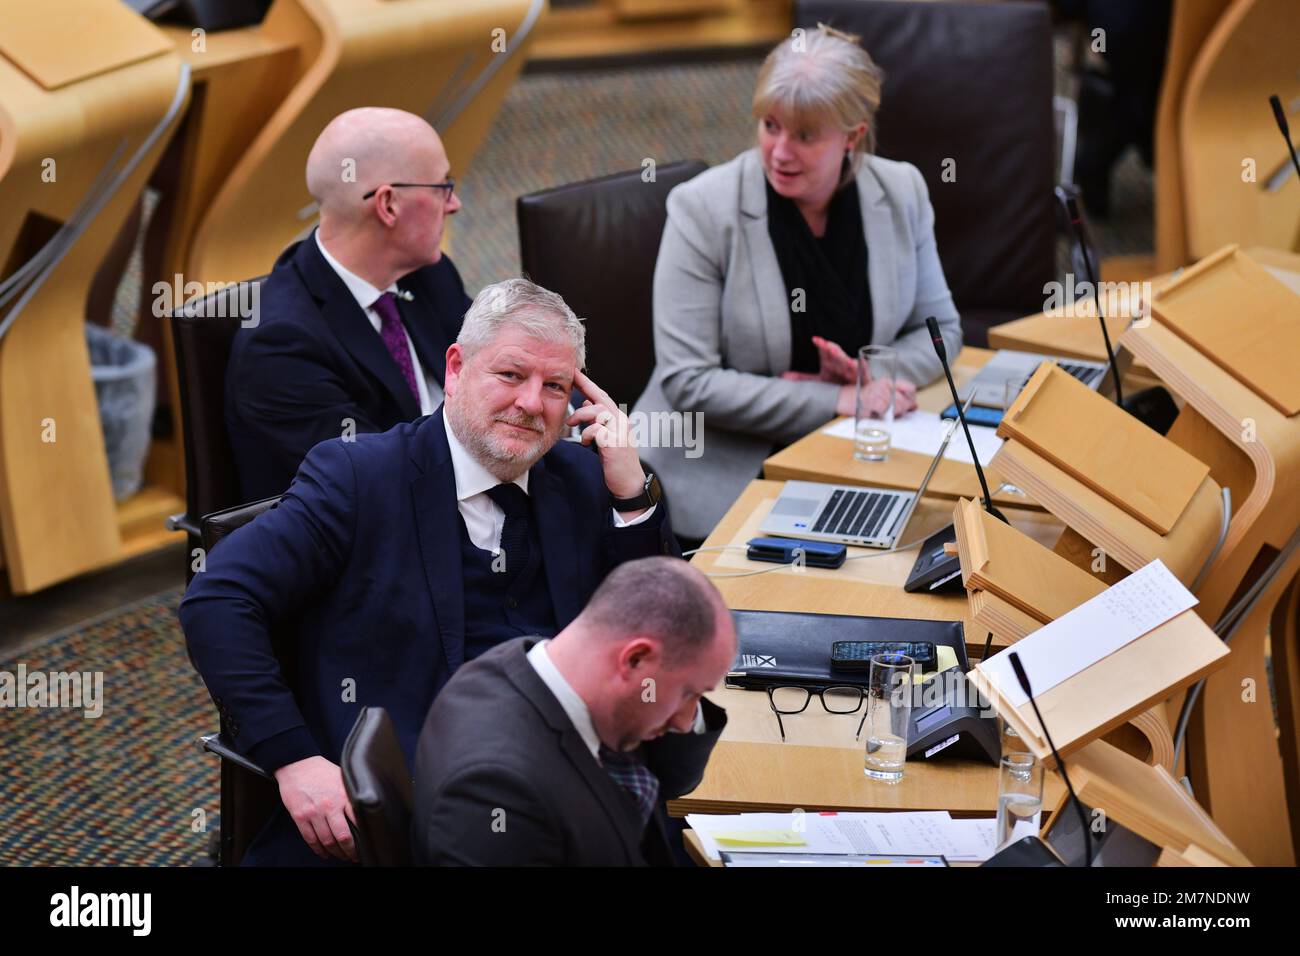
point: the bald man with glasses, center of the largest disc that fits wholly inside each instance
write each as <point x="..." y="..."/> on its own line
<point x="354" y="321"/>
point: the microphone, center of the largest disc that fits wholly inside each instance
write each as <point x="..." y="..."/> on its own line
<point x="1023" y="679"/>
<point x="1279" y="114"/>
<point x="933" y="325"/>
<point x="404" y="295"/>
<point x="1081" y="243"/>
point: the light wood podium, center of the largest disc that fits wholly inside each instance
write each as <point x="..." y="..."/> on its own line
<point x="1015" y="585"/>
<point x="89" y="95"/>
<point x="1252" y="447"/>
<point x="1151" y="803"/>
<point x="1126" y="494"/>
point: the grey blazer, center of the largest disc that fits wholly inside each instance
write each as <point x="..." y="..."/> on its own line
<point x="722" y="326"/>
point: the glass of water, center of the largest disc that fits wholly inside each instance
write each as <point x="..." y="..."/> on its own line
<point x="874" y="408"/>
<point x="1020" y="795"/>
<point x="1011" y="390"/>
<point x="889" y="714"/>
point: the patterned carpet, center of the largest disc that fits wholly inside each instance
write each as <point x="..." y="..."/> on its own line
<point x="122" y="788"/>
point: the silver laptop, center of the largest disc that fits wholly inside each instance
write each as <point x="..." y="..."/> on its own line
<point x="848" y="514"/>
<point x="989" y="384"/>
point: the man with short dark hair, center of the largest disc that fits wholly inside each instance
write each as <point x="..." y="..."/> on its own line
<point x="560" y="752"/>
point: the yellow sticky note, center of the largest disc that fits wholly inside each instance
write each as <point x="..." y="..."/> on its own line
<point x="760" y="838"/>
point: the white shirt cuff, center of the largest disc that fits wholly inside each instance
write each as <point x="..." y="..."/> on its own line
<point x="620" y="523"/>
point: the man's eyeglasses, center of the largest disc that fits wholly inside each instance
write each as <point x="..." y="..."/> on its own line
<point x="449" y="185"/>
<point x="791" y="699"/>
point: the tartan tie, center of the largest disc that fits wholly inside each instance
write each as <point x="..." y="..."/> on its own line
<point x="393" y="334"/>
<point x="512" y="499"/>
<point x="635" y="777"/>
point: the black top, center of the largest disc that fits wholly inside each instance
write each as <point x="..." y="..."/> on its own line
<point x="831" y="271"/>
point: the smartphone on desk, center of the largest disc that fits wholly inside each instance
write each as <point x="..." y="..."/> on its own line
<point x="976" y="415"/>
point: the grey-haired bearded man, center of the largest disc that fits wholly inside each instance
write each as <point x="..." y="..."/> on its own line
<point x="396" y="557"/>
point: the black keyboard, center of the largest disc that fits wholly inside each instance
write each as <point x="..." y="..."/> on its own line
<point x="854" y="513"/>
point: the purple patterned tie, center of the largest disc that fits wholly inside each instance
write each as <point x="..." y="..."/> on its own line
<point x="635" y="777"/>
<point x="394" y="336"/>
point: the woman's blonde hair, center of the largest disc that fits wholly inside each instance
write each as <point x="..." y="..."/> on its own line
<point x="823" y="76"/>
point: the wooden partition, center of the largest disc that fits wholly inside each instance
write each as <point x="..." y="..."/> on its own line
<point x="1225" y="121"/>
<point x="86" y="107"/>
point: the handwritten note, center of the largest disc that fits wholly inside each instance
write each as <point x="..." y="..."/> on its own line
<point x="1095" y="629"/>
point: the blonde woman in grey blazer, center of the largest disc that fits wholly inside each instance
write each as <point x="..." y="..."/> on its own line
<point x="751" y="253"/>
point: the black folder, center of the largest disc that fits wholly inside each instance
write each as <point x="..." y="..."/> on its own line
<point x="782" y="647"/>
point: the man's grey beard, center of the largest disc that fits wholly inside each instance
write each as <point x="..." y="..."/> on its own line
<point x="503" y="465"/>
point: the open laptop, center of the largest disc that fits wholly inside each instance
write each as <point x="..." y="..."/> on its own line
<point x="988" y="387"/>
<point x="848" y="514"/>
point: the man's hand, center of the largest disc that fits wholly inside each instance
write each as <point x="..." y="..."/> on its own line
<point x="313" y="793"/>
<point x="606" y="425"/>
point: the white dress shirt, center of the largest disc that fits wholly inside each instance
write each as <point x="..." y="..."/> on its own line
<point x="484" y="518"/>
<point x="575" y="708"/>
<point x="366" y="294"/>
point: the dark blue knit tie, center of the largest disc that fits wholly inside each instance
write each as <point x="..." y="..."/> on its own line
<point x="512" y="499"/>
<point x="635" y="777"/>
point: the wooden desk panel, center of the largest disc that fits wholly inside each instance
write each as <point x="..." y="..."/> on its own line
<point x="821" y="457"/>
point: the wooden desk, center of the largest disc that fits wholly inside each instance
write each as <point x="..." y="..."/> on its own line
<point x="819" y="767"/>
<point x="1077" y="336"/>
<point x="821" y="457"/>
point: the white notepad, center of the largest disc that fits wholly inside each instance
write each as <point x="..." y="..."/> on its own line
<point x="922" y="432"/>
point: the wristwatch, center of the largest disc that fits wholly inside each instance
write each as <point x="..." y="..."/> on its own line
<point x="650" y="495"/>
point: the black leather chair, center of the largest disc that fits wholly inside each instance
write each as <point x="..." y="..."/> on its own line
<point x="595" y="243"/>
<point x="203" y="331"/>
<point x="248" y="792"/>
<point x="379" y="788"/>
<point x="970" y="82"/>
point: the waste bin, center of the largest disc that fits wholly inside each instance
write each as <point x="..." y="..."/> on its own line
<point x="125" y="374"/>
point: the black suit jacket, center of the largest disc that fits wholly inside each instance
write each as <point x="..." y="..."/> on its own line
<point x="314" y="360"/>
<point x="503" y="778"/>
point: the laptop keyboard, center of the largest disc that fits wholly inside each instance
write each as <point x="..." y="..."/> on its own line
<point x="1087" y="374"/>
<point x="854" y="513"/>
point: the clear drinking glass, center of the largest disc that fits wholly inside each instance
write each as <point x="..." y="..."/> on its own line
<point x="889" y="714"/>
<point x="875" y="398"/>
<point x="1011" y="390"/>
<point x="1020" y="795"/>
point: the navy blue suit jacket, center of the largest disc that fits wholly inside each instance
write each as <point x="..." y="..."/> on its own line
<point x="361" y="561"/>
<point x="314" y="360"/>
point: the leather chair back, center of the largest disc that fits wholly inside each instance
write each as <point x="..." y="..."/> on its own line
<point x="203" y="331"/>
<point x="595" y="243"/>
<point x="971" y="83"/>
<point x="378" y="782"/>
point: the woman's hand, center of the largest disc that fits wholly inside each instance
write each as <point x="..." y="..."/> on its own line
<point x="876" y="396"/>
<point x="836" y="366"/>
